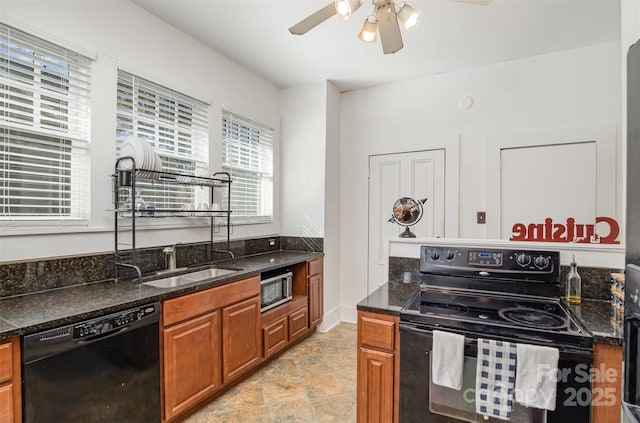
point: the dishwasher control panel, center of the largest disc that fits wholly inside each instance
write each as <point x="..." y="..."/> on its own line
<point x="113" y="322"/>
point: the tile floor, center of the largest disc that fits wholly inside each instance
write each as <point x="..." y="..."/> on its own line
<point x="313" y="382"/>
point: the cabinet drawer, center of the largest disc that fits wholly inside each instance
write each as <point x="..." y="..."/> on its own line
<point x="377" y="332"/>
<point x="297" y="323"/>
<point x="314" y="267"/>
<point x="192" y="305"/>
<point x="6" y="362"/>
<point x="275" y="336"/>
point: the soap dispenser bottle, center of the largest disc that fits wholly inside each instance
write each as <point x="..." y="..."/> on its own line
<point x="574" y="284"/>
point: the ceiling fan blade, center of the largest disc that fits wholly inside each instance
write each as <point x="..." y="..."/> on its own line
<point x="389" y="28"/>
<point x="314" y="19"/>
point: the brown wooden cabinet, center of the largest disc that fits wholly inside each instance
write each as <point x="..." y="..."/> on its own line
<point x="199" y="331"/>
<point x="240" y="338"/>
<point x="378" y="368"/>
<point x="298" y="323"/>
<point x="275" y="336"/>
<point x="315" y="292"/>
<point x="284" y="324"/>
<point x="10" y="384"/>
<point x="191" y="362"/>
<point x="212" y="338"/>
<point x="606" y="391"/>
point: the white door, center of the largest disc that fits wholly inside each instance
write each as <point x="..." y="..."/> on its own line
<point x="417" y="175"/>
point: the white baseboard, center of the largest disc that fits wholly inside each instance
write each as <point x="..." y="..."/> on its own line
<point x="330" y="320"/>
<point x="349" y="314"/>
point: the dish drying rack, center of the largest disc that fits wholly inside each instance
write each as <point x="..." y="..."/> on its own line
<point x="124" y="182"/>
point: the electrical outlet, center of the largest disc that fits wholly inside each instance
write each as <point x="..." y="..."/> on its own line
<point x="272" y="243"/>
<point x="481" y="217"/>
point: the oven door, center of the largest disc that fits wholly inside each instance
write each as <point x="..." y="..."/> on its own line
<point x="422" y="401"/>
<point x="631" y="391"/>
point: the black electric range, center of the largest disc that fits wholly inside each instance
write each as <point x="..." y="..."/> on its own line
<point x="504" y="294"/>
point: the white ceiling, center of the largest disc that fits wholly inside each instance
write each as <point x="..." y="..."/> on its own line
<point x="450" y="36"/>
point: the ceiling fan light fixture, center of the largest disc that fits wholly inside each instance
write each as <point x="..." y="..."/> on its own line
<point x="369" y="31"/>
<point x="344" y="8"/>
<point x="408" y="15"/>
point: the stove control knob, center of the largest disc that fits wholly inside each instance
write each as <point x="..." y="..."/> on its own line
<point x="449" y="255"/>
<point x="523" y="259"/>
<point x="435" y="255"/>
<point x="541" y="262"/>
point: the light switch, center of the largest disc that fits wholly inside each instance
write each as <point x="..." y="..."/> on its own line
<point x="481" y="218"/>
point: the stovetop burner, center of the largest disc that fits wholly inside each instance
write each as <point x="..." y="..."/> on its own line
<point x="533" y="317"/>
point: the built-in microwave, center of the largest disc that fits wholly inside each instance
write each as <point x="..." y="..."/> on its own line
<point x="275" y="290"/>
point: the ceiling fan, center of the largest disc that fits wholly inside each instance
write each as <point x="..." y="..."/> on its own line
<point x="384" y="20"/>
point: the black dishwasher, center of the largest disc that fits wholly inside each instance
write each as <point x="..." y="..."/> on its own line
<point x="106" y="369"/>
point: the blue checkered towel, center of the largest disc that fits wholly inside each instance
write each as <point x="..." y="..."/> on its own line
<point x="495" y="378"/>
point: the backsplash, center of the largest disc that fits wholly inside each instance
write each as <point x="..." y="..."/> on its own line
<point x="39" y="275"/>
<point x="596" y="281"/>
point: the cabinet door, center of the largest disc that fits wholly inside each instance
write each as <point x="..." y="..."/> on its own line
<point x="241" y="338"/>
<point x="315" y="300"/>
<point x="191" y="362"/>
<point x="297" y="323"/>
<point x="606" y="390"/>
<point x="276" y="336"/>
<point x="10" y="393"/>
<point x="6" y="362"/>
<point x="6" y="403"/>
<point x="375" y="386"/>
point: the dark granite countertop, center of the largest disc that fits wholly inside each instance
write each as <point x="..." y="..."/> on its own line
<point x="389" y="298"/>
<point x="596" y="315"/>
<point x="24" y="314"/>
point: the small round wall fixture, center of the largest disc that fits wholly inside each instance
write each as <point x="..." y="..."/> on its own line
<point x="407" y="212"/>
<point x="465" y="103"/>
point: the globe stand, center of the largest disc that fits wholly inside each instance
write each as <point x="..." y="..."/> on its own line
<point x="407" y="233"/>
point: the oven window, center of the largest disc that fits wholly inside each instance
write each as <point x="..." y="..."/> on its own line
<point x="461" y="404"/>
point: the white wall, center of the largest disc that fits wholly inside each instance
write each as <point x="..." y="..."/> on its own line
<point x="310" y="183"/>
<point x="332" y="305"/>
<point x="120" y="33"/>
<point x="303" y="111"/>
<point x="567" y="89"/>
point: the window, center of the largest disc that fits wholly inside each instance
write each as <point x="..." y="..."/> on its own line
<point x="176" y="126"/>
<point x="247" y="154"/>
<point x="44" y="129"/>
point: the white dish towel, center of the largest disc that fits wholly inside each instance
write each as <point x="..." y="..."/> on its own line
<point x="537" y="376"/>
<point x="447" y="359"/>
<point x="495" y="378"/>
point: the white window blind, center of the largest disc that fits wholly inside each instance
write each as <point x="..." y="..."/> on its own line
<point x="44" y="129"/>
<point x="247" y="154"/>
<point x="176" y="126"/>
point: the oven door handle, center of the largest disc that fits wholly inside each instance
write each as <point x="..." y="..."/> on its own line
<point x="471" y="344"/>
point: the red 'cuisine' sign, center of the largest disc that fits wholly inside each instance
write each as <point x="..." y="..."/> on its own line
<point x="570" y="231"/>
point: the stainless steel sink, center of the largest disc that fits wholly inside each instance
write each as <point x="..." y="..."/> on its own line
<point x="207" y="274"/>
<point x="169" y="282"/>
<point x="187" y="278"/>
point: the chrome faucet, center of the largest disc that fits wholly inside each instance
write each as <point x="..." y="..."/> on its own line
<point x="170" y="259"/>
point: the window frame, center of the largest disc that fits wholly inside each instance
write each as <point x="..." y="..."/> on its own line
<point x="46" y="99"/>
<point x="138" y="121"/>
<point x="264" y="135"/>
